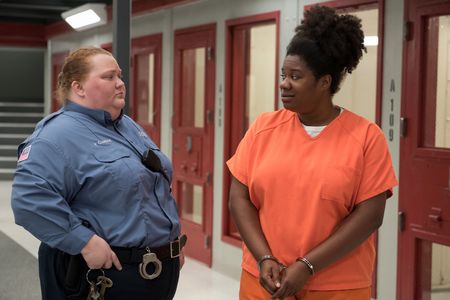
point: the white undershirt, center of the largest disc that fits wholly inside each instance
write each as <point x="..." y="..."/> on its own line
<point x="314" y="131"/>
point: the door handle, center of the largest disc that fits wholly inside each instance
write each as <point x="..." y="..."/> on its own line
<point x="189" y="143"/>
<point x="435" y="218"/>
<point x="401" y="221"/>
<point x="435" y="215"/>
<point x="403" y="127"/>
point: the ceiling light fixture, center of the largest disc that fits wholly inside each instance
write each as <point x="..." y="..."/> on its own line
<point x="371" y="40"/>
<point x="86" y="16"/>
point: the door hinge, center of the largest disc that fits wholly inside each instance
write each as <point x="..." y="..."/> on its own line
<point x="403" y="127"/>
<point x="401" y="221"/>
<point x="208" y="179"/>
<point x="407" y="28"/>
<point x="209" y="116"/>
<point x="210" y="53"/>
<point x="207" y="241"/>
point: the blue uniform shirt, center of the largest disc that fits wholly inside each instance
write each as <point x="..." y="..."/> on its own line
<point x="80" y="165"/>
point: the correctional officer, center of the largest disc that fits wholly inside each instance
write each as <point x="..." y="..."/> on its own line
<point x="95" y="190"/>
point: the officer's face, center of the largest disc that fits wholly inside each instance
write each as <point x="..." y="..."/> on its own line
<point x="103" y="86"/>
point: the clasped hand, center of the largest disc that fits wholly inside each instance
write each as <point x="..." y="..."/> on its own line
<point x="282" y="282"/>
<point x="98" y="254"/>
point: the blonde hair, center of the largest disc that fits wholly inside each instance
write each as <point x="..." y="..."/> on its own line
<point x="75" y="68"/>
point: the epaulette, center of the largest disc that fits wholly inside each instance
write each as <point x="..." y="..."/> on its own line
<point x="38" y="129"/>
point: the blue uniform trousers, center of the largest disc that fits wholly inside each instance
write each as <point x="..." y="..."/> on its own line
<point x="127" y="284"/>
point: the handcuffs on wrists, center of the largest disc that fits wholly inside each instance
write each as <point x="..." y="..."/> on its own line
<point x="307" y="263"/>
<point x="269" y="257"/>
<point x="303" y="260"/>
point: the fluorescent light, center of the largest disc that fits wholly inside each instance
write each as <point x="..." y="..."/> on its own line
<point x="371" y="40"/>
<point x="83" y="19"/>
<point x="86" y="16"/>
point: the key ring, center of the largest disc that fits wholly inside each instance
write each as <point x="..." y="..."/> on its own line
<point x="91" y="282"/>
<point x="150" y="258"/>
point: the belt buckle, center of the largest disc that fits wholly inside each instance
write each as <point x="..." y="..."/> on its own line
<point x="150" y="258"/>
<point x="177" y="242"/>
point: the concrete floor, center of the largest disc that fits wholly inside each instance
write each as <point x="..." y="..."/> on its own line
<point x="197" y="282"/>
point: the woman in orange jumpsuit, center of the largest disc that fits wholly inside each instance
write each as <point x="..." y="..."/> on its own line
<point x="310" y="181"/>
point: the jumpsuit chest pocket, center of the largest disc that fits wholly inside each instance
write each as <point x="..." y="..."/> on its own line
<point x="339" y="184"/>
<point x="117" y="164"/>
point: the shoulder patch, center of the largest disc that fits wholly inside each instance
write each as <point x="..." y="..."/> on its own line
<point x="25" y="153"/>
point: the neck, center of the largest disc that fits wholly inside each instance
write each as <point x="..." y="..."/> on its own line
<point x="82" y="102"/>
<point x="312" y="119"/>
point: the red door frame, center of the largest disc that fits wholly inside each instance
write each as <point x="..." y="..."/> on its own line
<point x="422" y="220"/>
<point x="146" y="45"/>
<point x="236" y="66"/>
<point x="57" y="63"/>
<point x="200" y="245"/>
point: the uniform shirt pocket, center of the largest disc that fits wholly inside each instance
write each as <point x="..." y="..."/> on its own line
<point x="150" y="144"/>
<point x="339" y="184"/>
<point x="116" y="163"/>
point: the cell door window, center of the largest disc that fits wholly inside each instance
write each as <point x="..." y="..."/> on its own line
<point x="145" y="94"/>
<point x="433" y="282"/>
<point x="252" y="86"/>
<point x="145" y="88"/>
<point x="260" y="92"/>
<point x="436" y="132"/>
<point x="358" y="92"/>
<point x="191" y="195"/>
<point x="193" y="87"/>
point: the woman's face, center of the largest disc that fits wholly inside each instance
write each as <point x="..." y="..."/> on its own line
<point x="103" y="87"/>
<point x="301" y="92"/>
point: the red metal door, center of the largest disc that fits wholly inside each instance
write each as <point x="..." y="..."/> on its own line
<point x="424" y="203"/>
<point x="145" y="104"/>
<point x="193" y="135"/>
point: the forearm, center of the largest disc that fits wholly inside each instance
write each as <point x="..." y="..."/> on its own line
<point x="246" y="218"/>
<point x="352" y="232"/>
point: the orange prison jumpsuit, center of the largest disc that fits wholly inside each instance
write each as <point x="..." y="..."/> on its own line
<point x="303" y="187"/>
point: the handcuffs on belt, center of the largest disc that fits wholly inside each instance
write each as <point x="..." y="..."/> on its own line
<point x="151" y="257"/>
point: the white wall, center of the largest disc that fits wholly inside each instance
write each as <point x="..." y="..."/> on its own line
<point x="392" y="73"/>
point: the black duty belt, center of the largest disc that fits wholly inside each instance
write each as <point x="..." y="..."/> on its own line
<point x="134" y="255"/>
<point x="148" y="256"/>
